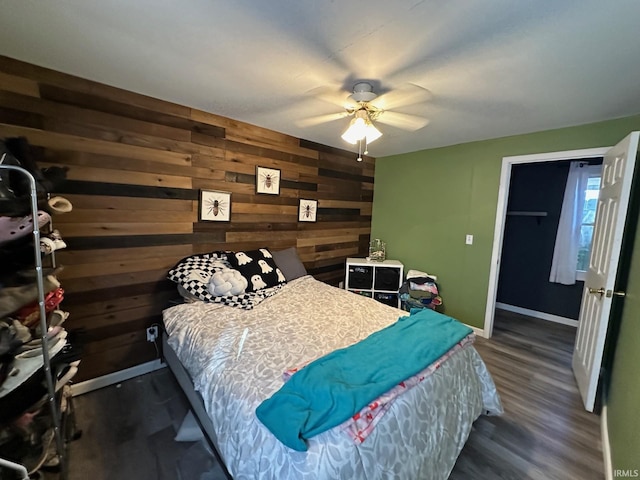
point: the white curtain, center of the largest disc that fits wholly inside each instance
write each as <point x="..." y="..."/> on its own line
<point x="565" y="253"/>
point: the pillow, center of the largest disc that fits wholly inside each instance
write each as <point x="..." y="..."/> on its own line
<point x="290" y="264"/>
<point x="186" y="296"/>
<point x="198" y="268"/>
<point x="193" y="274"/>
<point x="227" y="282"/>
<point x="258" y="267"/>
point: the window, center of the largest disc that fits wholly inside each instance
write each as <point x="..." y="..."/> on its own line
<point x="576" y="225"/>
<point x="586" y="228"/>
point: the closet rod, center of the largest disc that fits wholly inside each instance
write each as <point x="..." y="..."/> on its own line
<point x="522" y="213"/>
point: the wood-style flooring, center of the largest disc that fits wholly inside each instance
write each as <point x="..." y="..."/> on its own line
<point x="544" y="434"/>
<point x="128" y="432"/>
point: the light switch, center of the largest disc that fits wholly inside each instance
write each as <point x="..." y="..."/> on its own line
<point x="469" y="240"/>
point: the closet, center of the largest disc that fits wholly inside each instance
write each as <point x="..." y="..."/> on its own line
<point x="533" y="212"/>
<point x="38" y="359"/>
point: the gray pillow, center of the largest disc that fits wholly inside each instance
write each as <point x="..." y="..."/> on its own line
<point x="289" y="263"/>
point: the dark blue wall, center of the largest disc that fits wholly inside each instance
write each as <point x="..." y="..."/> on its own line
<point x="528" y="242"/>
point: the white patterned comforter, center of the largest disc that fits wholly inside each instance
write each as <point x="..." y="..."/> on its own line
<point x="420" y="437"/>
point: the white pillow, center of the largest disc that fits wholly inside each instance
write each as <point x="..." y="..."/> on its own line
<point x="227" y="282"/>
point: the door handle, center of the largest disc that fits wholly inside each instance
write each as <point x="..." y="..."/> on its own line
<point x="599" y="290"/>
<point x="617" y="294"/>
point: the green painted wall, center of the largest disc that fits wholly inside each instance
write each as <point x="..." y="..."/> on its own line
<point x="624" y="390"/>
<point x="424" y="204"/>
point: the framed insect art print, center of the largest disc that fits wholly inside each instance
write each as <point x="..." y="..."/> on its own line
<point x="268" y="180"/>
<point x="307" y="210"/>
<point x="215" y="206"/>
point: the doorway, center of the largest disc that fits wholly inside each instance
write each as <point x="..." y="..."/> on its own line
<point x="601" y="286"/>
<point x="501" y="214"/>
<point x="536" y="196"/>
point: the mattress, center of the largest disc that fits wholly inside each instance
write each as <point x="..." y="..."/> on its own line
<point x="236" y="358"/>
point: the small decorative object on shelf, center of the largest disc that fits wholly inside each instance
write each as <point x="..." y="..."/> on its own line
<point x="377" y="250"/>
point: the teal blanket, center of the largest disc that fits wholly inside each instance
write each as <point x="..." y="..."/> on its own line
<point x="335" y="387"/>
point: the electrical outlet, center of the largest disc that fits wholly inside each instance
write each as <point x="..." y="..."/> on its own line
<point x="152" y="333"/>
<point x="469" y="240"/>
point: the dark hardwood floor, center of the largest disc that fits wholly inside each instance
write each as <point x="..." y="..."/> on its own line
<point x="129" y="430"/>
<point x="545" y="433"/>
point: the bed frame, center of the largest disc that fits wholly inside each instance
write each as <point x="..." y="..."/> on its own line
<point x="194" y="398"/>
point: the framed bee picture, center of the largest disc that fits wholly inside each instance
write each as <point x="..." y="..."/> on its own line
<point x="215" y="206"/>
<point x="307" y="210"/>
<point x="268" y="180"/>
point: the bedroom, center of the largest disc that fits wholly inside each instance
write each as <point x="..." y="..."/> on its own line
<point x="134" y="210"/>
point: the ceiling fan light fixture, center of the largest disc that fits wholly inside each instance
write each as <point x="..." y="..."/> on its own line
<point x="357" y="128"/>
<point x="356" y="131"/>
<point x="365" y="107"/>
<point x="372" y="133"/>
<point x="360" y="128"/>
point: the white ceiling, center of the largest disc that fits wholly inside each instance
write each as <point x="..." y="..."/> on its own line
<point x="493" y="67"/>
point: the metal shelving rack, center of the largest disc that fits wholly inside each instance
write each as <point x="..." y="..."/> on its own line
<point x="55" y="413"/>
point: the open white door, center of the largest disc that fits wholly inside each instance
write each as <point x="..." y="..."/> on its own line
<point x="599" y="288"/>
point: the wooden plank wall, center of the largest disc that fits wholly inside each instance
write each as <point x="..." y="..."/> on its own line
<point x="136" y="165"/>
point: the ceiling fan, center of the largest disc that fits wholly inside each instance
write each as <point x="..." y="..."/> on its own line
<point x="367" y="107"/>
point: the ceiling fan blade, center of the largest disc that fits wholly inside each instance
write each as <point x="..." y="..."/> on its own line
<point x="403" y="120"/>
<point x="407" y="94"/>
<point x="333" y="95"/>
<point x="317" y="120"/>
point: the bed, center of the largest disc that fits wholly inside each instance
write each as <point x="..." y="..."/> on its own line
<point x="230" y="359"/>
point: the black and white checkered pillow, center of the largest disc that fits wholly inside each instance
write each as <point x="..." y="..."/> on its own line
<point x="193" y="274"/>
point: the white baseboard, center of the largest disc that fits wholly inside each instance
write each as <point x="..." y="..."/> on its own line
<point x="116" y="377"/>
<point x="535" y="314"/>
<point x="479" y="332"/>
<point x="606" y="447"/>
